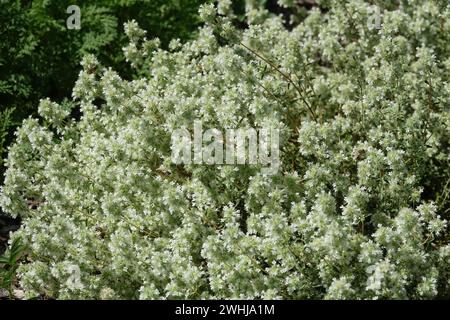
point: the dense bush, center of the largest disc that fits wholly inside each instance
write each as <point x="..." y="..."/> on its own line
<point x="39" y="56"/>
<point x="357" y="209"/>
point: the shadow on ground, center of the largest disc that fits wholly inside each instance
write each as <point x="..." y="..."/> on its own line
<point x="7" y="225"/>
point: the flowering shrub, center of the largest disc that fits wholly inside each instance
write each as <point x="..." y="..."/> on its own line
<point x="39" y="55"/>
<point x="356" y="210"/>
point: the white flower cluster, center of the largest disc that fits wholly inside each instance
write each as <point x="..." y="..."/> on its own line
<point x="363" y="119"/>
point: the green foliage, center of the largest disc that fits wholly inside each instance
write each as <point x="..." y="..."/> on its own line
<point x="5" y="124"/>
<point x="9" y="263"/>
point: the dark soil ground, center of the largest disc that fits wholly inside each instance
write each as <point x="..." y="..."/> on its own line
<point x="6" y="225"/>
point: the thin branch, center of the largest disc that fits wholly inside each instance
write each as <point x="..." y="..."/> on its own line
<point x="285" y="76"/>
